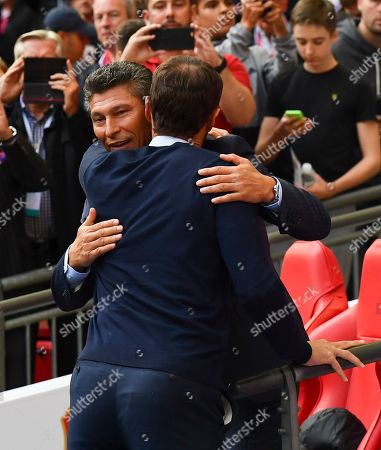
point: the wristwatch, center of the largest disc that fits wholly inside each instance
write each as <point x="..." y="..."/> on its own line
<point x="276" y="193"/>
<point x="222" y="66"/>
<point x="11" y="139"/>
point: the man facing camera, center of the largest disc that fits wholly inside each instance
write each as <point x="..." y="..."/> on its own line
<point x="159" y="333"/>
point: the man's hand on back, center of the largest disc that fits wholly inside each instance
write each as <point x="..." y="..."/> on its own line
<point x="93" y="240"/>
<point x="242" y="182"/>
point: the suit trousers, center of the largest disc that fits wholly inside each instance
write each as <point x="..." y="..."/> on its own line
<point x="124" y="408"/>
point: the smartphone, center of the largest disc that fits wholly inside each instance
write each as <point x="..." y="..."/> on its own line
<point x="294" y="114"/>
<point x="173" y="39"/>
<point x="36" y="80"/>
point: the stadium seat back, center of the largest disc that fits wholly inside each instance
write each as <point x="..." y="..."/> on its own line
<point x="369" y="315"/>
<point x="313" y="278"/>
<point x="364" y="396"/>
<point x="372" y="439"/>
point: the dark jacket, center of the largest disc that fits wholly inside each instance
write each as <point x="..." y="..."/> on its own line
<point x="65" y="142"/>
<point x="173" y="272"/>
<point x="21" y="171"/>
<point x="352" y="50"/>
<point x="302" y="215"/>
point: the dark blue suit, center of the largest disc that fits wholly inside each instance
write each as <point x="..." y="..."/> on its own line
<point x="179" y="258"/>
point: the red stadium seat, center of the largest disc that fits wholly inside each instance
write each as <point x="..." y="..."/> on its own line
<point x="364" y="396"/>
<point x="313" y="278"/>
<point x="328" y="391"/>
<point x="372" y="439"/>
<point x="43" y="357"/>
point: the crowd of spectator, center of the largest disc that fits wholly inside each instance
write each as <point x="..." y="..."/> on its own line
<point x="319" y="57"/>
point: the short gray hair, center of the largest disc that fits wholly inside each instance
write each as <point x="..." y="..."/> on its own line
<point x="43" y="35"/>
<point x="135" y="76"/>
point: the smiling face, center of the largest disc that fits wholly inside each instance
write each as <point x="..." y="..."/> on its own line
<point x="119" y="120"/>
<point x="215" y="15"/>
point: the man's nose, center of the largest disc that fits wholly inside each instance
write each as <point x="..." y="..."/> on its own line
<point x="112" y="127"/>
<point x="169" y="11"/>
<point x="309" y="50"/>
<point x="105" y="21"/>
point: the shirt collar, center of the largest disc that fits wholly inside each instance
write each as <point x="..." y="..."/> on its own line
<point x="164" y="141"/>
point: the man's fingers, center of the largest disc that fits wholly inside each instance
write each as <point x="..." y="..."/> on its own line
<point x="90" y="219"/>
<point x="91" y="235"/>
<point x="217" y="170"/>
<point x="336" y="366"/>
<point x="349" y="344"/>
<point x="215" y="179"/>
<point x="102" y="242"/>
<point x="234" y="197"/>
<point x="102" y="250"/>
<point x="345" y="354"/>
<point x="217" y="188"/>
<point x="235" y="159"/>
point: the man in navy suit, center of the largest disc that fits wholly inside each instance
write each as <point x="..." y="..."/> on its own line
<point x="152" y="368"/>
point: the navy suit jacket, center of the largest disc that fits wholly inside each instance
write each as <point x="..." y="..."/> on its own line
<point x="180" y="260"/>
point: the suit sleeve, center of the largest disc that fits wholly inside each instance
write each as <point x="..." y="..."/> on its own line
<point x="245" y="249"/>
<point x="65" y="298"/>
<point x="301" y="215"/>
<point x="26" y="166"/>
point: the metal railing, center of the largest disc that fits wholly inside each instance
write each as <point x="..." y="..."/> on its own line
<point x="286" y="378"/>
<point x="28" y="304"/>
<point x="25" y="280"/>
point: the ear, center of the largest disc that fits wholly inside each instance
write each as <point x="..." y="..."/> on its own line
<point x="146" y="16"/>
<point x="335" y="36"/>
<point x="147" y="108"/>
<point x="212" y="119"/>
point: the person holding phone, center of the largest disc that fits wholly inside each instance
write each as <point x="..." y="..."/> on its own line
<point x="237" y="102"/>
<point x="339" y="135"/>
<point x="166" y="335"/>
<point x="218" y="18"/>
<point x="59" y="134"/>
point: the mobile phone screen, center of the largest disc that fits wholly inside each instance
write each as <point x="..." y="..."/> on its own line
<point x="36" y="80"/>
<point x="173" y="39"/>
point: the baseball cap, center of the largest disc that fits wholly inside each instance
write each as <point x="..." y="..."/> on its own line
<point x="64" y="18"/>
